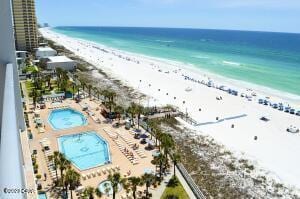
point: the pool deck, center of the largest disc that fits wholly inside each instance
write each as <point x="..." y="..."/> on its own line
<point x="117" y="157"/>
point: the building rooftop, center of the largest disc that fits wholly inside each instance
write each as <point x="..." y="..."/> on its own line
<point x="59" y="59"/>
<point x="45" y="49"/>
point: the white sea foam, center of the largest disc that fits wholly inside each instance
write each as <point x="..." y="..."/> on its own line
<point x="231" y="63"/>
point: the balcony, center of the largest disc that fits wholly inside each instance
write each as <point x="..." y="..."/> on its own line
<point x="11" y="170"/>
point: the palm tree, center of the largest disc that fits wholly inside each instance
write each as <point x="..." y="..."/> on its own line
<point x="73" y="88"/>
<point x="167" y="143"/>
<point x="63" y="164"/>
<point x="157" y="133"/>
<point x="72" y="179"/>
<point x="176" y="158"/>
<point x="132" y="111"/>
<point x="119" y="111"/>
<point x="111" y="97"/>
<point x="139" y="110"/>
<point x="64" y="81"/>
<point x="160" y="160"/>
<point x="89" y="192"/>
<point x="34" y="94"/>
<point x="98" y="193"/>
<point x="134" y="182"/>
<point x="89" y="89"/>
<point x="48" y="80"/>
<point x="148" y="179"/>
<point x="115" y="179"/>
<point x="55" y="159"/>
<point x="59" y="72"/>
<point x="111" y="105"/>
<point x="83" y="85"/>
<point x="105" y="94"/>
<point x="96" y="92"/>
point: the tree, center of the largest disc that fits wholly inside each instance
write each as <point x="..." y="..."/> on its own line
<point x="175" y="158"/>
<point x="139" y="111"/>
<point x="119" y="111"/>
<point x="63" y="164"/>
<point x="34" y="94"/>
<point x="59" y="72"/>
<point x="98" y="193"/>
<point x="132" y="111"/>
<point x="167" y="143"/>
<point x="160" y="160"/>
<point x="97" y="92"/>
<point x="55" y="159"/>
<point x="105" y="94"/>
<point x="148" y="179"/>
<point x="115" y="179"/>
<point x="89" y="192"/>
<point x="90" y="89"/>
<point x="48" y="80"/>
<point x="72" y="179"/>
<point x="134" y="182"/>
<point x="111" y="97"/>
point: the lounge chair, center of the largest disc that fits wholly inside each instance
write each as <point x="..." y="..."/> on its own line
<point x="88" y="175"/>
<point x="99" y="172"/>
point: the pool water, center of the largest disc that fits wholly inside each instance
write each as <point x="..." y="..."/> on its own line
<point x="85" y="150"/>
<point x="42" y="196"/>
<point x="106" y="188"/>
<point x="66" y="118"/>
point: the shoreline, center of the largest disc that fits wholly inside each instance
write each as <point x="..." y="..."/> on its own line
<point x="240" y="85"/>
<point x="171" y="84"/>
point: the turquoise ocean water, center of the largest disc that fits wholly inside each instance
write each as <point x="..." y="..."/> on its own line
<point x="267" y="59"/>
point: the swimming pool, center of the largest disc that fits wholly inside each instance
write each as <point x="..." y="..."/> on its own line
<point x="85" y="150"/>
<point x="106" y="188"/>
<point x="42" y="195"/>
<point x="66" y="118"/>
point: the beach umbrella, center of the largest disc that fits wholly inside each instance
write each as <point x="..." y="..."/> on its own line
<point x="143" y="135"/>
<point x="150" y="142"/>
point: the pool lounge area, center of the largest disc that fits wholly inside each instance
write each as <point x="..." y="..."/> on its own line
<point x="85" y="150"/>
<point x="60" y="119"/>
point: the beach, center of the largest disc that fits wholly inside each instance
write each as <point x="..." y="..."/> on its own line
<point x="231" y="120"/>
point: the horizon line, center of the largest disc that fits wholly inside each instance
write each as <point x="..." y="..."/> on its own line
<point x="192" y="28"/>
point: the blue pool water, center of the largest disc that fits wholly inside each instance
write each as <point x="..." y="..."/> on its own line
<point x="42" y="196"/>
<point x="66" y="118"/>
<point x="85" y="150"/>
<point x="106" y="188"/>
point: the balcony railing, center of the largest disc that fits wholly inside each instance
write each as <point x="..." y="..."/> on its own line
<point x="11" y="169"/>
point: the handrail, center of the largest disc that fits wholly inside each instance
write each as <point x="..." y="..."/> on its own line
<point x="195" y="189"/>
<point x="11" y="169"/>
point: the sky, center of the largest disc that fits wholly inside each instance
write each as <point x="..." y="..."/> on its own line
<point x="257" y="15"/>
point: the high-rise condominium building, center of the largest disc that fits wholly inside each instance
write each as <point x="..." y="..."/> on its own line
<point x="25" y="24"/>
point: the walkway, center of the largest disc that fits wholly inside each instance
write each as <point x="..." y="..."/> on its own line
<point x="157" y="193"/>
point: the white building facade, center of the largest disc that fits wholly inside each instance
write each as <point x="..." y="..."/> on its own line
<point x="61" y="62"/>
<point x="45" y="52"/>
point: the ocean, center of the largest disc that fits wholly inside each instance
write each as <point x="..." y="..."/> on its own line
<point x="266" y="59"/>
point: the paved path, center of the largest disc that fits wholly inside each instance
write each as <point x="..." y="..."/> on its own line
<point x="157" y="193"/>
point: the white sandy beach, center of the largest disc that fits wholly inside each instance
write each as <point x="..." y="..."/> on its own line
<point x="275" y="150"/>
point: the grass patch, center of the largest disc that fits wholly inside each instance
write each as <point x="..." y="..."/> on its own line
<point x="174" y="190"/>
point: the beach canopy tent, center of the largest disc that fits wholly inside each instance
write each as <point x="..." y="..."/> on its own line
<point x="155" y="153"/>
<point x="148" y="171"/>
